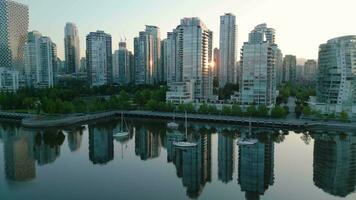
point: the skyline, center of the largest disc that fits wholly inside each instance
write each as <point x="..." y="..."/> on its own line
<point x="121" y="20"/>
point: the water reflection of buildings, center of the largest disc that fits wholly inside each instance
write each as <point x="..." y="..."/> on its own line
<point x="226" y="157"/>
<point x="147" y="144"/>
<point x="101" y="144"/>
<point x="18" y="155"/>
<point x="256" y="168"/>
<point x="74" y="140"/>
<point x="193" y="164"/>
<point x="47" y="147"/>
<point x="172" y="136"/>
<point x="335" y="163"/>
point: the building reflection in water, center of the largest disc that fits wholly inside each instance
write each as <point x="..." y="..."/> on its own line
<point x="47" y="146"/>
<point x="193" y="164"/>
<point x="147" y="144"/>
<point x="335" y="163"/>
<point x="256" y="168"/>
<point x="18" y="155"/>
<point x="172" y="136"/>
<point x="75" y="139"/>
<point x="101" y="144"/>
<point x="226" y="157"/>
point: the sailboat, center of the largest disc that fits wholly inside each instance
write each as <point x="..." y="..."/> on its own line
<point x="185" y="143"/>
<point x="122" y="133"/>
<point x="245" y="141"/>
<point x="173" y="125"/>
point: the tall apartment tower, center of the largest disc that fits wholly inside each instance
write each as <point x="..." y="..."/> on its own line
<point x="99" y="58"/>
<point x="14" y="20"/>
<point x="216" y="62"/>
<point x="40" y="61"/>
<point x="122" y="65"/>
<point x="260" y="58"/>
<point x="72" y="48"/>
<point x="290" y="69"/>
<point x="310" y="70"/>
<point x="188" y="57"/>
<point x="228" y="50"/>
<point x="336" y="84"/>
<point x="148" y="63"/>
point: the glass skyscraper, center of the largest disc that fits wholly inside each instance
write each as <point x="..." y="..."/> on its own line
<point x="14" y="20"/>
<point x="336" y="85"/>
<point x="72" y="48"/>
<point x="228" y="50"/>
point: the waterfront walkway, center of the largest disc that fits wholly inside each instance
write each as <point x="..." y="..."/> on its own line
<point x="32" y="121"/>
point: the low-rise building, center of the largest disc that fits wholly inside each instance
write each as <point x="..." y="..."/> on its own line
<point x="9" y="80"/>
<point x="180" y="92"/>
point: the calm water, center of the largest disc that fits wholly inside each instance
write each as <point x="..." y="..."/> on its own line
<point x="88" y="163"/>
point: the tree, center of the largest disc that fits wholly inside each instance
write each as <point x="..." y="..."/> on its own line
<point x="262" y="111"/>
<point x="251" y="111"/>
<point x="226" y="110"/>
<point x="307" y="111"/>
<point x="236" y="110"/>
<point x="204" y="109"/>
<point x="344" y="117"/>
<point x="278" y="112"/>
<point x="152" y="105"/>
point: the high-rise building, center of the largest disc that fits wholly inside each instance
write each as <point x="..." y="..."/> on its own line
<point x="14" y="20"/>
<point x="122" y="68"/>
<point x="336" y="85"/>
<point x="191" y="56"/>
<point x="40" y="61"/>
<point x="170" y="57"/>
<point x="83" y="64"/>
<point x="260" y="58"/>
<point x="228" y="50"/>
<point x="72" y="48"/>
<point x="148" y="56"/>
<point x="216" y="62"/>
<point x="310" y="69"/>
<point x="99" y="58"/>
<point x="289" y="69"/>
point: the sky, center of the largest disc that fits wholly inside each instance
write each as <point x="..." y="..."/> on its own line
<point x="301" y="25"/>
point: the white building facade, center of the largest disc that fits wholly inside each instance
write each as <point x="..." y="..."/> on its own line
<point x="40" y="61"/>
<point x="9" y="79"/>
<point x="336" y="76"/>
<point x="189" y="56"/>
<point x="260" y="59"/>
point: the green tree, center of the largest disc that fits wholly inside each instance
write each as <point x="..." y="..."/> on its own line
<point x="278" y="112"/>
<point x="344" y="117"/>
<point x="307" y="111"/>
<point x="236" y="110"/>
<point x="226" y="110"/>
<point x="262" y="111"/>
<point x="204" y="109"/>
<point x="251" y="111"/>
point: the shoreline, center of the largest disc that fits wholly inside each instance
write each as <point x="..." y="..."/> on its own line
<point x="31" y="121"/>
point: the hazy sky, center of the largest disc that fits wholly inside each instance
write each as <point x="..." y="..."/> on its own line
<point x="301" y="25"/>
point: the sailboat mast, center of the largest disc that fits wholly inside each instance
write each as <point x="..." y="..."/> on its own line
<point x="122" y="121"/>
<point x="186" y="125"/>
